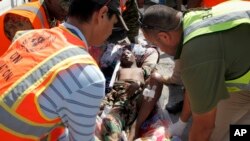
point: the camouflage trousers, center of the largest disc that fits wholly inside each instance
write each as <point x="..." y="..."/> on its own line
<point x="123" y="112"/>
<point x="131" y="18"/>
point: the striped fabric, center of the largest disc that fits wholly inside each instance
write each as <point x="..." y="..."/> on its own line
<point x="75" y="96"/>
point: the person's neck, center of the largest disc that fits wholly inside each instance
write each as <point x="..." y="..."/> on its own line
<point x="82" y="27"/>
<point x="129" y="65"/>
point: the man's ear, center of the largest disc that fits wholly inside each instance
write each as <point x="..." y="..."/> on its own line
<point x="164" y="36"/>
<point x="99" y="15"/>
<point x="102" y="12"/>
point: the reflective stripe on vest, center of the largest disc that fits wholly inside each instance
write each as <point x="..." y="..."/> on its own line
<point x="10" y="122"/>
<point x="33" y="11"/>
<point x="53" y="136"/>
<point x="11" y="96"/>
<point x="26" y="70"/>
<point x="242" y="83"/>
<point x="221" y="17"/>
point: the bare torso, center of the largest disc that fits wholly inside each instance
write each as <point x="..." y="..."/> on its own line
<point x="135" y="74"/>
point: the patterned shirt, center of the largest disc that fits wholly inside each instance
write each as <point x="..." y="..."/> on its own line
<point x="75" y="97"/>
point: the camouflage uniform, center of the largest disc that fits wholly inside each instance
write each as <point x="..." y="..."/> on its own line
<point x="124" y="110"/>
<point x="131" y="17"/>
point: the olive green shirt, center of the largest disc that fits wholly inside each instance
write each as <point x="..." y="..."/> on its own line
<point x="207" y="61"/>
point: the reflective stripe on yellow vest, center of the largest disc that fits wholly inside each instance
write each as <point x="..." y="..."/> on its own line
<point x="26" y="70"/>
<point x="221" y="17"/>
<point x="242" y="83"/>
<point x="33" y="11"/>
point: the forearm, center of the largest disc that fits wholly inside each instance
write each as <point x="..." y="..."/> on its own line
<point x="186" y="110"/>
<point x="150" y="62"/>
<point x="175" y="78"/>
<point x="202" y="126"/>
<point x="199" y="134"/>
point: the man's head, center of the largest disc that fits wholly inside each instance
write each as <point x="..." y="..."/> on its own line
<point x="99" y="16"/>
<point x="57" y="9"/>
<point x="161" y="25"/>
<point x="117" y="7"/>
<point x="127" y="58"/>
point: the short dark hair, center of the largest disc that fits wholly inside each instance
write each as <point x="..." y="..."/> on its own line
<point x="160" y="18"/>
<point x="84" y="9"/>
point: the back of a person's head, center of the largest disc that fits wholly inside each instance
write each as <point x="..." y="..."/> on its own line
<point x="160" y="17"/>
<point x="84" y="9"/>
<point x="56" y="9"/>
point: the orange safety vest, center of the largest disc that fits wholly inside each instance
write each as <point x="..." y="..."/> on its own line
<point x="211" y="3"/>
<point x="33" y="11"/>
<point x="26" y="70"/>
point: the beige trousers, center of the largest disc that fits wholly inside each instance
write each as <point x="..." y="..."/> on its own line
<point x="235" y="110"/>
